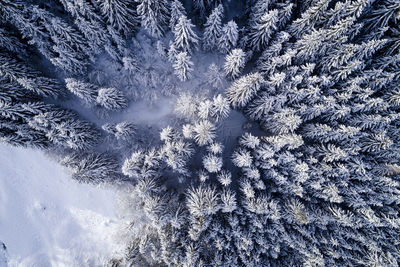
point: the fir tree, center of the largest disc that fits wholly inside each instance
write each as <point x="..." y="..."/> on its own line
<point x="56" y="39"/>
<point x="183" y="66"/>
<point x="242" y="158"/>
<point x="28" y="78"/>
<point x="234" y="63"/>
<point x="141" y="165"/>
<point x="204" y="109"/>
<point x="215" y="148"/>
<point x="262" y="29"/>
<point x="86" y="91"/>
<point x="172" y="52"/>
<point x="229" y="203"/>
<point x="89" y="22"/>
<point x="11" y="43"/>
<point x="215" y="76"/>
<point x="111" y="98"/>
<point x="313" y="174"/>
<point x="229" y="37"/>
<point x="185" y="38"/>
<point x="202" y="201"/>
<point x="122" y="131"/>
<point x="203" y="132"/>
<point x="161" y="49"/>
<point x="154" y="15"/>
<point x="186" y="106"/>
<point x="177" y="10"/>
<point x="225" y="178"/>
<point x="130" y="64"/>
<point x="120" y="14"/>
<point x="213" y="29"/>
<point x="244" y="89"/>
<point x="92" y="168"/>
<point x="212" y="163"/>
<point x="309" y="17"/>
<point x="220" y="107"/>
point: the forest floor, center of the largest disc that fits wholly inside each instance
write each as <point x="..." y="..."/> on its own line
<point x="48" y="219"/>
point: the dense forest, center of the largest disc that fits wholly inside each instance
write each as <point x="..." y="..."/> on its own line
<point x="277" y="143"/>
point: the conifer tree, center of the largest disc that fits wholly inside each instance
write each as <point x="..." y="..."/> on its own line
<point x="183" y="66"/>
<point x="172" y="52"/>
<point x="225" y="178"/>
<point x="154" y="15"/>
<point x="122" y="131"/>
<point x="200" y="5"/>
<point x="185" y="38"/>
<point x="213" y="29"/>
<point x="9" y="8"/>
<point x="186" y="106"/>
<point x="89" y="22"/>
<point x="120" y="14"/>
<point x="130" y="64"/>
<point x="177" y="10"/>
<point x="92" y="168"/>
<point x="56" y="39"/>
<point x="310" y="179"/>
<point x="86" y="91"/>
<point x="212" y="163"/>
<point x="244" y="89"/>
<point x="11" y="43"/>
<point x="229" y="203"/>
<point x="204" y="109"/>
<point x="215" y="76"/>
<point x="307" y="20"/>
<point x="220" y="107"/>
<point x="111" y="98"/>
<point x="203" y="132"/>
<point x="30" y="79"/>
<point x="262" y="29"/>
<point x="234" y="63"/>
<point x="142" y="165"/>
<point x="229" y="37"/>
<point x="162" y="50"/>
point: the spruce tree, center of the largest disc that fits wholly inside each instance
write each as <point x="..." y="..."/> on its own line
<point x="185" y="38"/>
<point x="215" y="76"/>
<point x="244" y="89"/>
<point x="111" y="98"/>
<point x="234" y="63"/>
<point x="183" y="66"/>
<point x="213" y="29"/>
<point x="11" y="43"/>
<point x="262" y="29"/>
<point x="89" y="22"/>
<point x="154" y="15"/>
<point x="85" y="91"/>
<point x="92" y="168"/>
<point x="27" y="77"/>
<point x="229" y="37"/>
<point x="121" y="14"/>
<point x="177" y="10"/>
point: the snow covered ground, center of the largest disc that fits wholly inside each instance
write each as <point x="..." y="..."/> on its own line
<point x="47" y="219"/>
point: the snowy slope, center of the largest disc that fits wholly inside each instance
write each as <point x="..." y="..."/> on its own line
<point x="46" y="219"/>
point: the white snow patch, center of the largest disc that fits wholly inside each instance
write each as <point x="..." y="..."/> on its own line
<point x="47" y="219"/>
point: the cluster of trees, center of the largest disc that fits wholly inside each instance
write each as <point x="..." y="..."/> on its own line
<point x="31" y="97"/>
<point x="109" y="98"/>
<point x="26" y="118"/>
<point x="316" y="185"/>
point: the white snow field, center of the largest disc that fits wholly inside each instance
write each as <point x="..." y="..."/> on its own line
<point x="47" y="219"/>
